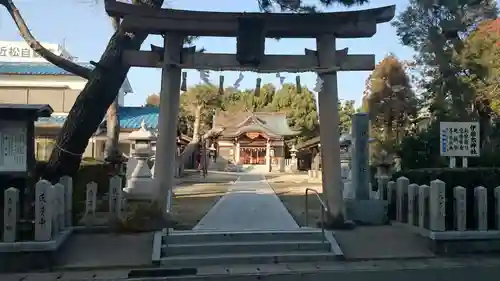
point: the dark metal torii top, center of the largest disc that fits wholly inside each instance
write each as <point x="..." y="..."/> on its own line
<point x="352" y="24"/>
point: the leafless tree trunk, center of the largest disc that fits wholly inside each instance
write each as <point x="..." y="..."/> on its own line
<point x="98" y="94"/>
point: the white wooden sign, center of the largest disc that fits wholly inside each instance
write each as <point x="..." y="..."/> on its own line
<point x="13" y="152"/>
<point x="459" y="139"/>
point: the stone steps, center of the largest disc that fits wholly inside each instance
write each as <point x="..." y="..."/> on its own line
<point x="244" y="247"/>
<point x="304" y="234"/>
<point x="246" y="258"/>
<point x="192" y="249"/>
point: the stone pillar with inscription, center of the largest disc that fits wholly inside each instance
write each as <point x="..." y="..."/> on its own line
<point x="437" y="209"/>
<point x="11" y="206"/>
<point x="460" y="218"/>
<point x="364" y="208"/>
<point x="360" y="167"/>
<point x="43" y="211"/>
<point x="481" y="208"/>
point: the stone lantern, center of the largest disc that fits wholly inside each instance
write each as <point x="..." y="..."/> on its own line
<point x="140" y="182"/>
<point x="293" y="152"/>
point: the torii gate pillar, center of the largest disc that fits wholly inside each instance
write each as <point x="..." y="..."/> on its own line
<point x="167" y="124"/>
<point x="329" y="132"/>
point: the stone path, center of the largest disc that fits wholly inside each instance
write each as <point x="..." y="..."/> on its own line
<point x="250" y="204"/>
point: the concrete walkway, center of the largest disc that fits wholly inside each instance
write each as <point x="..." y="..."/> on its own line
<point x="250" y="204"/>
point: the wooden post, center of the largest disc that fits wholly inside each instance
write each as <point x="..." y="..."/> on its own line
<point x="329" y="131"/>
<point x="167" y="124"/>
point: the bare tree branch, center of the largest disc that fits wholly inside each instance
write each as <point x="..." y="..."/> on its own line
<point x="61" y="62"/>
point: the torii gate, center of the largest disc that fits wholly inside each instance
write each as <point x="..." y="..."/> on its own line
<point x="250" y="29"/>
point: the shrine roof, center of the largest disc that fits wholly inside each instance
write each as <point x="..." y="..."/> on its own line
<point x="24" y="111"/>
<point x="274" y="124"/>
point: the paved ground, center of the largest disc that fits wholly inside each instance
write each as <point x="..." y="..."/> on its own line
<point x="381" y="242"/>
<point x="84" y="251"/>
<point x="251" y="204"/>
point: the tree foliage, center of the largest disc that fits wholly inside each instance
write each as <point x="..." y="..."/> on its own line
<point x="346" y="111"/>
<point x="389" y="98"/>
<point x="436" y="30"/>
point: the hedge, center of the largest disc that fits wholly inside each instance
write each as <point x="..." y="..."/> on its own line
<point x="466" y="177"/>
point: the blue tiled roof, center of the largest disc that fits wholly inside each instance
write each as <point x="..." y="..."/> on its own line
<point x="130" y="117"/>
<point x="34" y="68"/>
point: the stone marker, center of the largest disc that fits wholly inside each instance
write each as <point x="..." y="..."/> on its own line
<point x="412" y="196"/>
<point x="360" y="156"/>
<point x="91" y="199"/>
<point x="423" y="197"/>
<point x="67" y="182"/>
<point x="54" y="207"/>
<point x="11" y="205"/>
<point x="43" y="211"/>
<point x="460" y="218"/>
<point x="481" y="207"/>
<point x="437" y="205"/>
<point x="391" y="187"/>
<point x="382" y="187"/>
<point x="401" y="189"/>
<point x="497" y="207"/>
<point x="60" y="197"/>
<point x="115" y="198"/>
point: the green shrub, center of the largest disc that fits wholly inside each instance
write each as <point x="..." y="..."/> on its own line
<point x="466" y="177"/>
<point x="98" y="172"/>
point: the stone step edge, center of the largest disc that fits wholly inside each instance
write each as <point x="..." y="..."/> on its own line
<point x="245" y="243"/>
<point x="250" y="255"/>
<point x="228" y="232"/>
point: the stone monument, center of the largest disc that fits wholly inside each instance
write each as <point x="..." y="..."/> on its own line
<point x="362" y="208"/>
<point x="140" y="183"/>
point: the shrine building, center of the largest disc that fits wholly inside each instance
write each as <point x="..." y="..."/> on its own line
<point x="252" y="138"/>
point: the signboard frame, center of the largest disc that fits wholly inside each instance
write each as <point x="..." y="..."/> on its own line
<point x="459" y="139"/>
<point x="13" y="146"/>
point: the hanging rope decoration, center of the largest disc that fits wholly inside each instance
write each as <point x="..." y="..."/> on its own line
<point x="319" y="84"/>
<point x="184" y="82"/>
<point x="221" y="84"/>
<point x="236" y="84"/>
<point x="257" y="87"/>
<point x="205" y="76"/>
<point x="298" y="85"/>
<point x="281" y="78"/>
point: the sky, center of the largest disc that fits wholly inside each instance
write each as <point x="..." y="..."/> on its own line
<point x="84" y="28"/>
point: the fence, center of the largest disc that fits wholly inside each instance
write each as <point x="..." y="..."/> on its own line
<point x="53" y="207"/>
<point x="430" y="207"/>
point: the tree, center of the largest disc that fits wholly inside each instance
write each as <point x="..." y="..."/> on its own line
<point x="480" y="57"/>
<point x="346" y="111"/>
<point x="435" y="30"/>
<point x="104" y="82"/>
<point x="153" y="100"/>
<point x="300" y="109"/>
<point x="112" y="150"/>
<point x="389" y="97"/>
<point x="199" y="104"/>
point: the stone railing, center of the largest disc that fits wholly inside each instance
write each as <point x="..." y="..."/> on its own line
<point x="445" y="214"/>
<point x="53" y="210"/>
